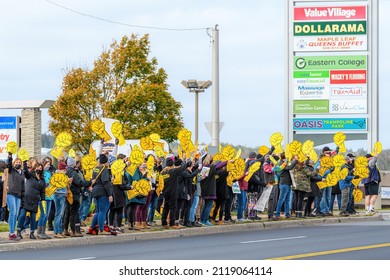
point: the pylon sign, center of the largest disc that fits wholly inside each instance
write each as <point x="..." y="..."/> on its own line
<point x="332" y="70"/>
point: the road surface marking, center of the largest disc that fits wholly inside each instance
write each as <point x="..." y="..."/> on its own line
<point x="86" y="258"/>
<point x="275" y="239"/>
<point x="337" y="251"/>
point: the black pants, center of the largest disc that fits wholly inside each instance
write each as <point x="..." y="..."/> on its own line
<point x="71" y="215"/>
<point x="131" y="209"/>
<point x="169" y="208"/>
<point x="186" y="210"/>
<point x="273" y="200"/>
<point x="179" y="208"/>
<point x="219" y="204"/>
<point x="50" y="219"/>
<point x="309" y="202"/>
<point x="115" y="213"/>
<point x="228" y="205"/>
<point x="299" y="196"/>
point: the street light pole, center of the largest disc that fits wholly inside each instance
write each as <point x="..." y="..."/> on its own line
<point x="196" y="87"/>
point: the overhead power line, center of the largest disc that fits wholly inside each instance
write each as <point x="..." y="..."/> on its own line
<point x="126" y="24"/>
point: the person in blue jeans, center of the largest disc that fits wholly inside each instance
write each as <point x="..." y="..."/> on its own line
<point x="102" y="193"/>
<point x="59" y="199"/>
<point x="16" y="186"/>
<point x="285" y="195"/>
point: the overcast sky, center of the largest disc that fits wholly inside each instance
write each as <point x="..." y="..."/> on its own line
<point x="39" y="40"/>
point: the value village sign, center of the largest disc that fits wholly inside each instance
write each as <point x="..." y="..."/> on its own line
<point x="330" y="67"/>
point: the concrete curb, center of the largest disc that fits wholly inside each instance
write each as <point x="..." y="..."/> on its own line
<point x="153" y="235"/>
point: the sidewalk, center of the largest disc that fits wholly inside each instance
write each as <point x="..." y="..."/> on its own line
<point x="157" y="232"/>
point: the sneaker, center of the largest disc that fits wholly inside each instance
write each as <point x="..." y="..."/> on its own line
<point x="197" y="224"/>
<point x="13" y="237"/>
<point x="166" y="226"/>
<point x="58" y="235"/>
<point x="119" y="230"/>
<point x="207" y="223"/>
<point x="373" y="211"/>
<point x="343" y="214"/>
<point x="242" y="220"/>
<point x="83" y="224"/>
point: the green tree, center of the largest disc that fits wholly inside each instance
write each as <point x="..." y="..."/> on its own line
<point x="124" y="84"/>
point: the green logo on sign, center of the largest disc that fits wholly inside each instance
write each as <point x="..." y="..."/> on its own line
<point x="300" y="63"/>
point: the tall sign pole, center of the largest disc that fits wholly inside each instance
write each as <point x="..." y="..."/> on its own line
<point x="215" y="80"/>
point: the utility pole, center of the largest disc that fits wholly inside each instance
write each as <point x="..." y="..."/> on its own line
<point x="215" y="80"/>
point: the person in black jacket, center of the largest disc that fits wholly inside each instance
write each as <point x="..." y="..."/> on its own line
<point x="189" y="178"/>
<point x="102" y="193"/>
<point x="170" y="175"/>
<point x="222" y="194"/>
<point x="315" y="191"/>
<point x="16" y="184"/>
<point x="119" y="202"/>
<point x="34" y="193"/>
<point x="71" y="216"/>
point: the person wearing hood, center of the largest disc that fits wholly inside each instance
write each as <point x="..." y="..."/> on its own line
<point x="34" y="193"/>
<point x="16" y="188"/>
<point x="71" y="217"/>
<point x="371" y="184"/>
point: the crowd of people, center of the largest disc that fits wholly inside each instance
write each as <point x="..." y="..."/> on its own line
<point x="178" y="189"/>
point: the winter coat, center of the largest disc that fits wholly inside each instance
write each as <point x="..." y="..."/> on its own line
<point x="137" y="176"/>
<point x="189" y="181"/>
<point x="208" y="184"/>
<point x="315" y="190"/>
<point x="34" y="191"/>
<point x="119" y="191"/>
<point x="285" y="178"/>
<point x="374" y="175"/>
<point x="171" y="176"/>
<point x="347" y="182"/>
<point x="78" y="183"/>
<point x="16" y="180"/>
<point x="102" y="186"/>
<point x="302" y="178"/>
<point x="222" y="188"/>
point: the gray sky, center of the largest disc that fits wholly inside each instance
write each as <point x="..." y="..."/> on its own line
<point x="40" y="40"/>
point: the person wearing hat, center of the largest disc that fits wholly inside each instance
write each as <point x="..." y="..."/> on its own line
<point x="102" y="193"/>
<point x="345" y="186"/>
<point x="59" y="199"/>
<point x="71" y="217"/>
<point x="351" y="204"/>
<point x="371" y="184"/>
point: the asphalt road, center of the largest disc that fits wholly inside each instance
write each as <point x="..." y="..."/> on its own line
<point x="351" y="241"/>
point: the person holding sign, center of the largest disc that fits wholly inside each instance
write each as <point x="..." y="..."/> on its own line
<point x="16" y="185"/>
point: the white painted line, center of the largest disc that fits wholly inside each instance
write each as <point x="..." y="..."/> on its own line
<point x="270" y="240"/>
<point x="86" y="258"/>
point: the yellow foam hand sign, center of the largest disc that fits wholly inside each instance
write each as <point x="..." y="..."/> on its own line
<point x="146" y="143"/>
<point x="357" y="195"/>
<point x="336" y="173"/>
<point x="228" y="152"/>
<point x="263" y="150"/>
<point x="88" y="162"/>
<point x="59" y="180"/>
<point x="57" y="152"/>
<point x="92" y="151"/>
<point x="229" y="180"/>
<point x="99" y="128"/>
<point x="237" y="168"/>
<point x="313" y="155"/>
<point x="356" y="182"/>
<point x="71" y="153"/>
<point x="361" y="161"/>
<point x="136" y="156"/>
<point x="321" y="185"/>
<point x="377" y="149"/>
<point x="274" y="161"/>
<point x="183" y="134"/>
<point x="252" y="169"/>
<point x="155" y="137"/>
<point x="49" y="191"/>
<point x="331" y="180"/>
<point x="131" y="169"/>
<point x="150" y="163"/>
<point x="69" y="197"/>
<point x="141" y="187"/>
<point x="276" y="141"/>
<point x="117" y="131"/>
<point x="238" y="154"/>
<point x="63" y="139"/>
<point x="217" y="156"/>
<point x="160" y="184"/>
<point x="362" y="172"/>
<point x="338" y="160"/>
<point x="295" y="147"/>
<point x="343" y="173"/>
<point x="12" y="147"/>
<point x="287" y="152"/>
<point x="23" y="154"/>
<point x="339" y="139"/>
<point x="307" y="147"/>
<point x="117" y="168"/>
<point x="159" y="151"/>
<point x="325" y="163"/>
<point x="301" y="156"/>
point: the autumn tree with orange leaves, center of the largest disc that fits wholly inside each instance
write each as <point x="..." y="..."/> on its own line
<point x="124" y="84"/>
